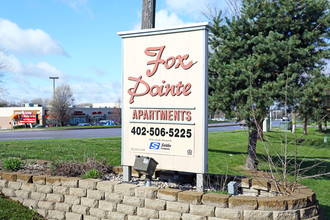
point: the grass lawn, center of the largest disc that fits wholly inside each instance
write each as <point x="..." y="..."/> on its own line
<point x="64" y="149"/>
<point x="10" y="209"/>
<point x="67" y="127"/>
<point x="227" y="152"/>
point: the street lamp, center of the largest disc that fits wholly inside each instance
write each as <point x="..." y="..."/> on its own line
<point x="53" y="78"/>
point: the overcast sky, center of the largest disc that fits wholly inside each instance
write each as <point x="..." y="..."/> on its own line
<point x="77" y="41"/>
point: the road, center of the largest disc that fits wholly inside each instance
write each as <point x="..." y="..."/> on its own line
<point x="82" y="133"/>
<point x="55" y="134"/>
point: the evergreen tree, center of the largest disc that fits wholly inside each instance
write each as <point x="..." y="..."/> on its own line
<point x="320" y="100"/>
<point x="263" y="56"/>
<point x="313" y="100"/>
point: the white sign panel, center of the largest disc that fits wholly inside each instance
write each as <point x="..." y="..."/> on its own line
<point x="165" y="97"/>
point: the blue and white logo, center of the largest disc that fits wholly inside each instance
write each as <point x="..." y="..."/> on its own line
<point x="154" y="145"/>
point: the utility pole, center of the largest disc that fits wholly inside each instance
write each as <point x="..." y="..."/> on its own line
<point x="148" y="21"/>
<point x="53" y="78"/>
<point x="148" y="14"/>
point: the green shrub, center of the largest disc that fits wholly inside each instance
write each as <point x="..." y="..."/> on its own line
<point x="20" y="126"/>
<point x="93" y="174"/>
<point x="12" y="164"/>
<point x="219" y="192"/>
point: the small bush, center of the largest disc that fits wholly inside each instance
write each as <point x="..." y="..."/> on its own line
<point x="93" y="174"/>
<point x="20" y="126"/>
<point x="12" y="164"/>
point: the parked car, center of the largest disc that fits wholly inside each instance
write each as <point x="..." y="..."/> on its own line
<point x="286" y="118"/>
<point x="84" y="124"/>
<point x="106" y="122"/>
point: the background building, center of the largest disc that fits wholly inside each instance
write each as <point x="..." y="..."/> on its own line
<point x="10" y="116"/>
<point x="13" y="116"/>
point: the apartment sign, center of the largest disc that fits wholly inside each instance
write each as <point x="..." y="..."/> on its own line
<point x="165" y="97"/>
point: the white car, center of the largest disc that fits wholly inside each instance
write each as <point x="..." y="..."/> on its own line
<point x="84" y="124"/>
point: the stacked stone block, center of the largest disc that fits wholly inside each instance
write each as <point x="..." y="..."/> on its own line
<point x="75" y="198"/>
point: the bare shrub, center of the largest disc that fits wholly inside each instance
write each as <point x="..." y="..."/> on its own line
<point x="77" y="169"/>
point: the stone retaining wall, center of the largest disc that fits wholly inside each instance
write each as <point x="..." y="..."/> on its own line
<point x="75" y="198"/>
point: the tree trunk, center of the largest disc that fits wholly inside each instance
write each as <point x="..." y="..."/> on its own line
<point x="305" y="126"/>
<point x="251" y="159"/>
<point x="260" y="129"/>
<point x="148" y="14"/>
<point x="320" y="126"/>
<point x="325" y="123"/>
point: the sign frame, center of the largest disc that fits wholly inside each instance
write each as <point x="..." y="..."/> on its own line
<point x="196" y="162"/>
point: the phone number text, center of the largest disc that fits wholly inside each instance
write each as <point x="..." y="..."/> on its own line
<point x="155" y="131"/>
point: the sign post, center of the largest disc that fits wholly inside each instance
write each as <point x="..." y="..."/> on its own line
<point x="165" y="89"/>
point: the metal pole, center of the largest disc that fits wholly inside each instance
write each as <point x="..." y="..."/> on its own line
<point x="127" y="173"/>
<point x="53" y="78"/>
<point x="54" y="87"/>
<point x="200" y="182"/>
